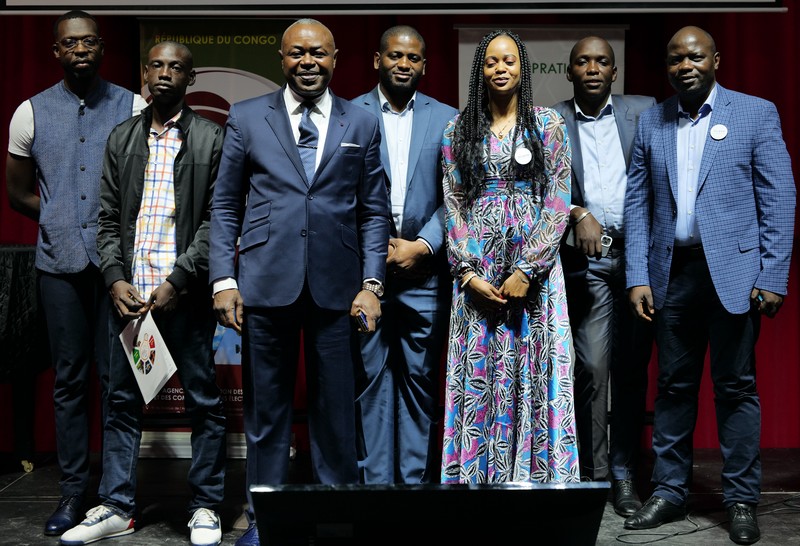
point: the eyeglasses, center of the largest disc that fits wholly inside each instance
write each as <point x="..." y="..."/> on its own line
<point x="89" y="42"/>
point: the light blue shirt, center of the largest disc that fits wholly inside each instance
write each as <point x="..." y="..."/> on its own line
<point x="604" y="169"/>
<point x="691" y="143"/>
<point x="397" y="134"/>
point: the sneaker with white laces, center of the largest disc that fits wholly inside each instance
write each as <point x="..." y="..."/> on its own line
<point x="101" y="522"/>
<point x="205" y="528"/>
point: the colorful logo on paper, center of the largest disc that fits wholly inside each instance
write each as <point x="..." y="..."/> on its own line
<point x="144" y="353"/>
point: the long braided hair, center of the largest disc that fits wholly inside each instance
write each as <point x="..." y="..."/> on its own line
<point x="473" y="125"/>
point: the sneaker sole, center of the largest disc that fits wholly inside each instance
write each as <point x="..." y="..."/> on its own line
<point x="82" y="542"/>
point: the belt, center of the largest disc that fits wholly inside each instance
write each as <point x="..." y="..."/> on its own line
<point x="618" y="243"/>
<point x="688" y="252"/>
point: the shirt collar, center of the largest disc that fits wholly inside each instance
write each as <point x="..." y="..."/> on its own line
<point x="705" y="109"/>
<point x="172" y="122"/>
<point x="607" y="109"/>
<point x="294" y="103"/>
<point x="386" y="107"/>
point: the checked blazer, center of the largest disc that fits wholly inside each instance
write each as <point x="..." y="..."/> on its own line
<point x="745" y="200"/>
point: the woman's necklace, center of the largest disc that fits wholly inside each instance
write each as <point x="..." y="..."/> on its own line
<point x="502" y="131"/>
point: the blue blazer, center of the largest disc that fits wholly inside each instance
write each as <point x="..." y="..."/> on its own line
<point x="423" y="215"/>
<point x="626" y="113"/>
<point x="330" y="231"/>
<point x="745" y="200"/>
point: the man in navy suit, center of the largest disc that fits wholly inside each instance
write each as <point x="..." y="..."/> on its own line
<point x="710" y="220"/>
<point x="312" y="232"/>
<point x="398" y="392"/>
<point x="609" y="341"/>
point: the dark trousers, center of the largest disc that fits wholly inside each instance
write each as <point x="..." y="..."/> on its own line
<point x="270" y="353"/>
<point x="612" y="352"/>
<point x="188" y="332"/>
<point x="75" y="307"/>
<point x="692" y="320"/>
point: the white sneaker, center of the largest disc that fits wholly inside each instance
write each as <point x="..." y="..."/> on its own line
<point x="205" y="528"/>
<point x="101" y="522"/>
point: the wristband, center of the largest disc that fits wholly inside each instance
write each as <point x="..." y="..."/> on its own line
<point x="581" y="217"/>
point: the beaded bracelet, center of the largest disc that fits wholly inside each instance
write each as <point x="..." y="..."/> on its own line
<point x="468" y="277"/>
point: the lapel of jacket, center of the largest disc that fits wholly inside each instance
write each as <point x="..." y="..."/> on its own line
<point x="575" y="142"/>
<point x="626" y="125"/>
<point x="374" y="103"/>
<point x="337" y="126"/>
<point x="669" y="129"/>
<point x="720" y="115"/>
<point x="419" y="129"/>
<point x="278" y="120"/>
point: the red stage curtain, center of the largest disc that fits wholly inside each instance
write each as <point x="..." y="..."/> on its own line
<point x="755" y="48"/>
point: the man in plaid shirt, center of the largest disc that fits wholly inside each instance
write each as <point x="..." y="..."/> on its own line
<point x="157" y="183"/>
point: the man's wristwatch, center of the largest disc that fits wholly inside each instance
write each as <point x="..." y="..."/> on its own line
<point x="373" y="286"/>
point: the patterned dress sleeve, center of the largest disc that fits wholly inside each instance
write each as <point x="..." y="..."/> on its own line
<point x="544" y="241"/>
<point x="463" y="251"/>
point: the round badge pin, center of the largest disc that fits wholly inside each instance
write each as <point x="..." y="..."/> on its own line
<point x="523" y="156"/>
<point x="719" y="131"/>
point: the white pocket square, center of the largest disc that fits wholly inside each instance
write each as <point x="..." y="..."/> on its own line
<point x="349" y="145"/>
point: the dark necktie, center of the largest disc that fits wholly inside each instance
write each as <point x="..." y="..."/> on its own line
<point x="309" y="138"/>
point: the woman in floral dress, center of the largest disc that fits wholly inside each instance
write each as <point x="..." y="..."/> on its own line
<point x="509" y="412"/>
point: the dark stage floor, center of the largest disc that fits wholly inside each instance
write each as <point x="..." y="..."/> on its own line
<point x="26" y="500"/>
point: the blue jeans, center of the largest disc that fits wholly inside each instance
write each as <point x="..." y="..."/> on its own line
<point x="188" y="333"/>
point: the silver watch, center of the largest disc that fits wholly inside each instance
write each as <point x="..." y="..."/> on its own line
<point x="373" y="286"/>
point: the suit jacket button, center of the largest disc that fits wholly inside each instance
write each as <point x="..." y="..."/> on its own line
<point x="310" y="196"/>
<point x="302" y="233"/>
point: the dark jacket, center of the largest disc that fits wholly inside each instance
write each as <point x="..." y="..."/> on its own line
<point x="121" y="189"/>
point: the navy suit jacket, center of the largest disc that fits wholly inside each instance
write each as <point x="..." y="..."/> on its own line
<point x="745" y="200"/>
<point x="330" y="231"/>
<point x="626" y="113"/>
<point x="423" y="215"/>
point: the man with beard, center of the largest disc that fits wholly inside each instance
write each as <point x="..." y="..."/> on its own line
<point x="398" y="383"/>
<point x="56" y="140"/>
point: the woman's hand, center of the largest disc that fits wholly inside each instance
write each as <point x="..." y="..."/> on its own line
<point x="484" y="294"/>
<point x="516" y="285"/>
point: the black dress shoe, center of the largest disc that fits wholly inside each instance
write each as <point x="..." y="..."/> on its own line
<point x="655" y="512"/>
<point x="626" y="501"/>
<point x="68" y="514"/>
<point x="744" y="524"/>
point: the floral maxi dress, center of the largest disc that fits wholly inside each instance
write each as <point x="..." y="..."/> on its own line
<point x="509" y="411"/>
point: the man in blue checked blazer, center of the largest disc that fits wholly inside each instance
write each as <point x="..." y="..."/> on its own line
<point x="709" y="211"/>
